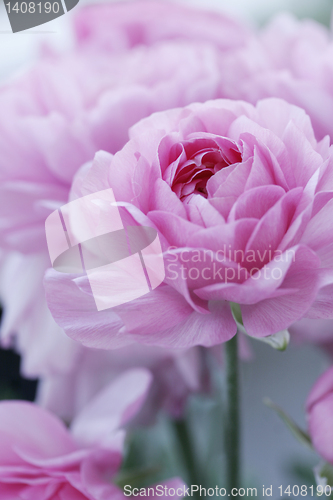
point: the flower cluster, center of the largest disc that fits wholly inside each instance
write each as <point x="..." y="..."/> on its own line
<point x="41" y="459"/>
<point x="215" y="137"/>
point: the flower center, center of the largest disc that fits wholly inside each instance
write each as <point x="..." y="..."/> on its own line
<point x="196" y="161"/>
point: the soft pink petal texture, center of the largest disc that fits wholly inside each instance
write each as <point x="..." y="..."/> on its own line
<point x="256" y="202"/>
<point x="322" y="307"/>
<point x="119" y="28"/>
<point x="99" y="327"/>
<point x="112" y="408"/>
<point x="321" y="389"/>
<point x="176" y="375"/>
<point x="140" y="318"/>
<point x="319" y="408"/>
<point x="98" y="488"/>
<point x="319" y="331"/>
<point x="193" y="328"/>
<point x="320" y="427"/>
<point x="290" y="59"/>
<point x="41" y="434"/>
<point x="318" y="233"/>
<point x="273" y="225"/>
<point x="279" y="313"/>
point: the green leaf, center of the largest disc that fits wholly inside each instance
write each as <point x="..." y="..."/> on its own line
<point x="301" y="435"/>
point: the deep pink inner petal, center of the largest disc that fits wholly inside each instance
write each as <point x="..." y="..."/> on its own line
<point x="195" y="161"/>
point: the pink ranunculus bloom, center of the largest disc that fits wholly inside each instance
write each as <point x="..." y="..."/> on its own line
<point x="56" y="116"/>
<point x="300" y="56"/>
<point x="319" y="407"/>
<point x="40" y="458"/>
<point x="290" y="59"/>
<point x="241" y="197"/>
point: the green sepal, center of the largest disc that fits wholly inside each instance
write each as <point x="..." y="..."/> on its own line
<point x="278" y="341"/>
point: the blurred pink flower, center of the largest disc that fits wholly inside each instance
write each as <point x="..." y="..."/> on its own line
<point x="45" y="348"/>
<point x="318" y="331"/>
<point x="176" y="375"/>
<point x="319" y="407"/>
<point x="57" y="115"/>
<point x="290" y="59"/>
<point x="241" y="197"/>
<point x="301" y="52"/>
<point x="126" y="24"/>
<point x="40" y="458"/>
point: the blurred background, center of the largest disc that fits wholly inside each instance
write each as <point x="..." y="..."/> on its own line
<point x="21" y="48"/>
<point x="271" y="455"/>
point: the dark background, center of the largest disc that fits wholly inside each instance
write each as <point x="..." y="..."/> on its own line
<point x="12" y="385"/>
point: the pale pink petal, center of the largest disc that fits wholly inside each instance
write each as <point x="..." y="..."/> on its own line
<point x="112" y="408"/>
<point x="26" y="427"/>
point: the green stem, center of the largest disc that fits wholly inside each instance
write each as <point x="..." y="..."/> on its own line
<point x="186" y="449"/>
<point x="232" y="427"/>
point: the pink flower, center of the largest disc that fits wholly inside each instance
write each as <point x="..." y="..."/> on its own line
<point x="56" y="116"/>
<point x="176" y="375"/>
<point x="289" y="59"/>
<point x="319" y="407"/>
<point x="40" y="458"/>
<point x="299" y="68"/>
<point x="241" y="197"/>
